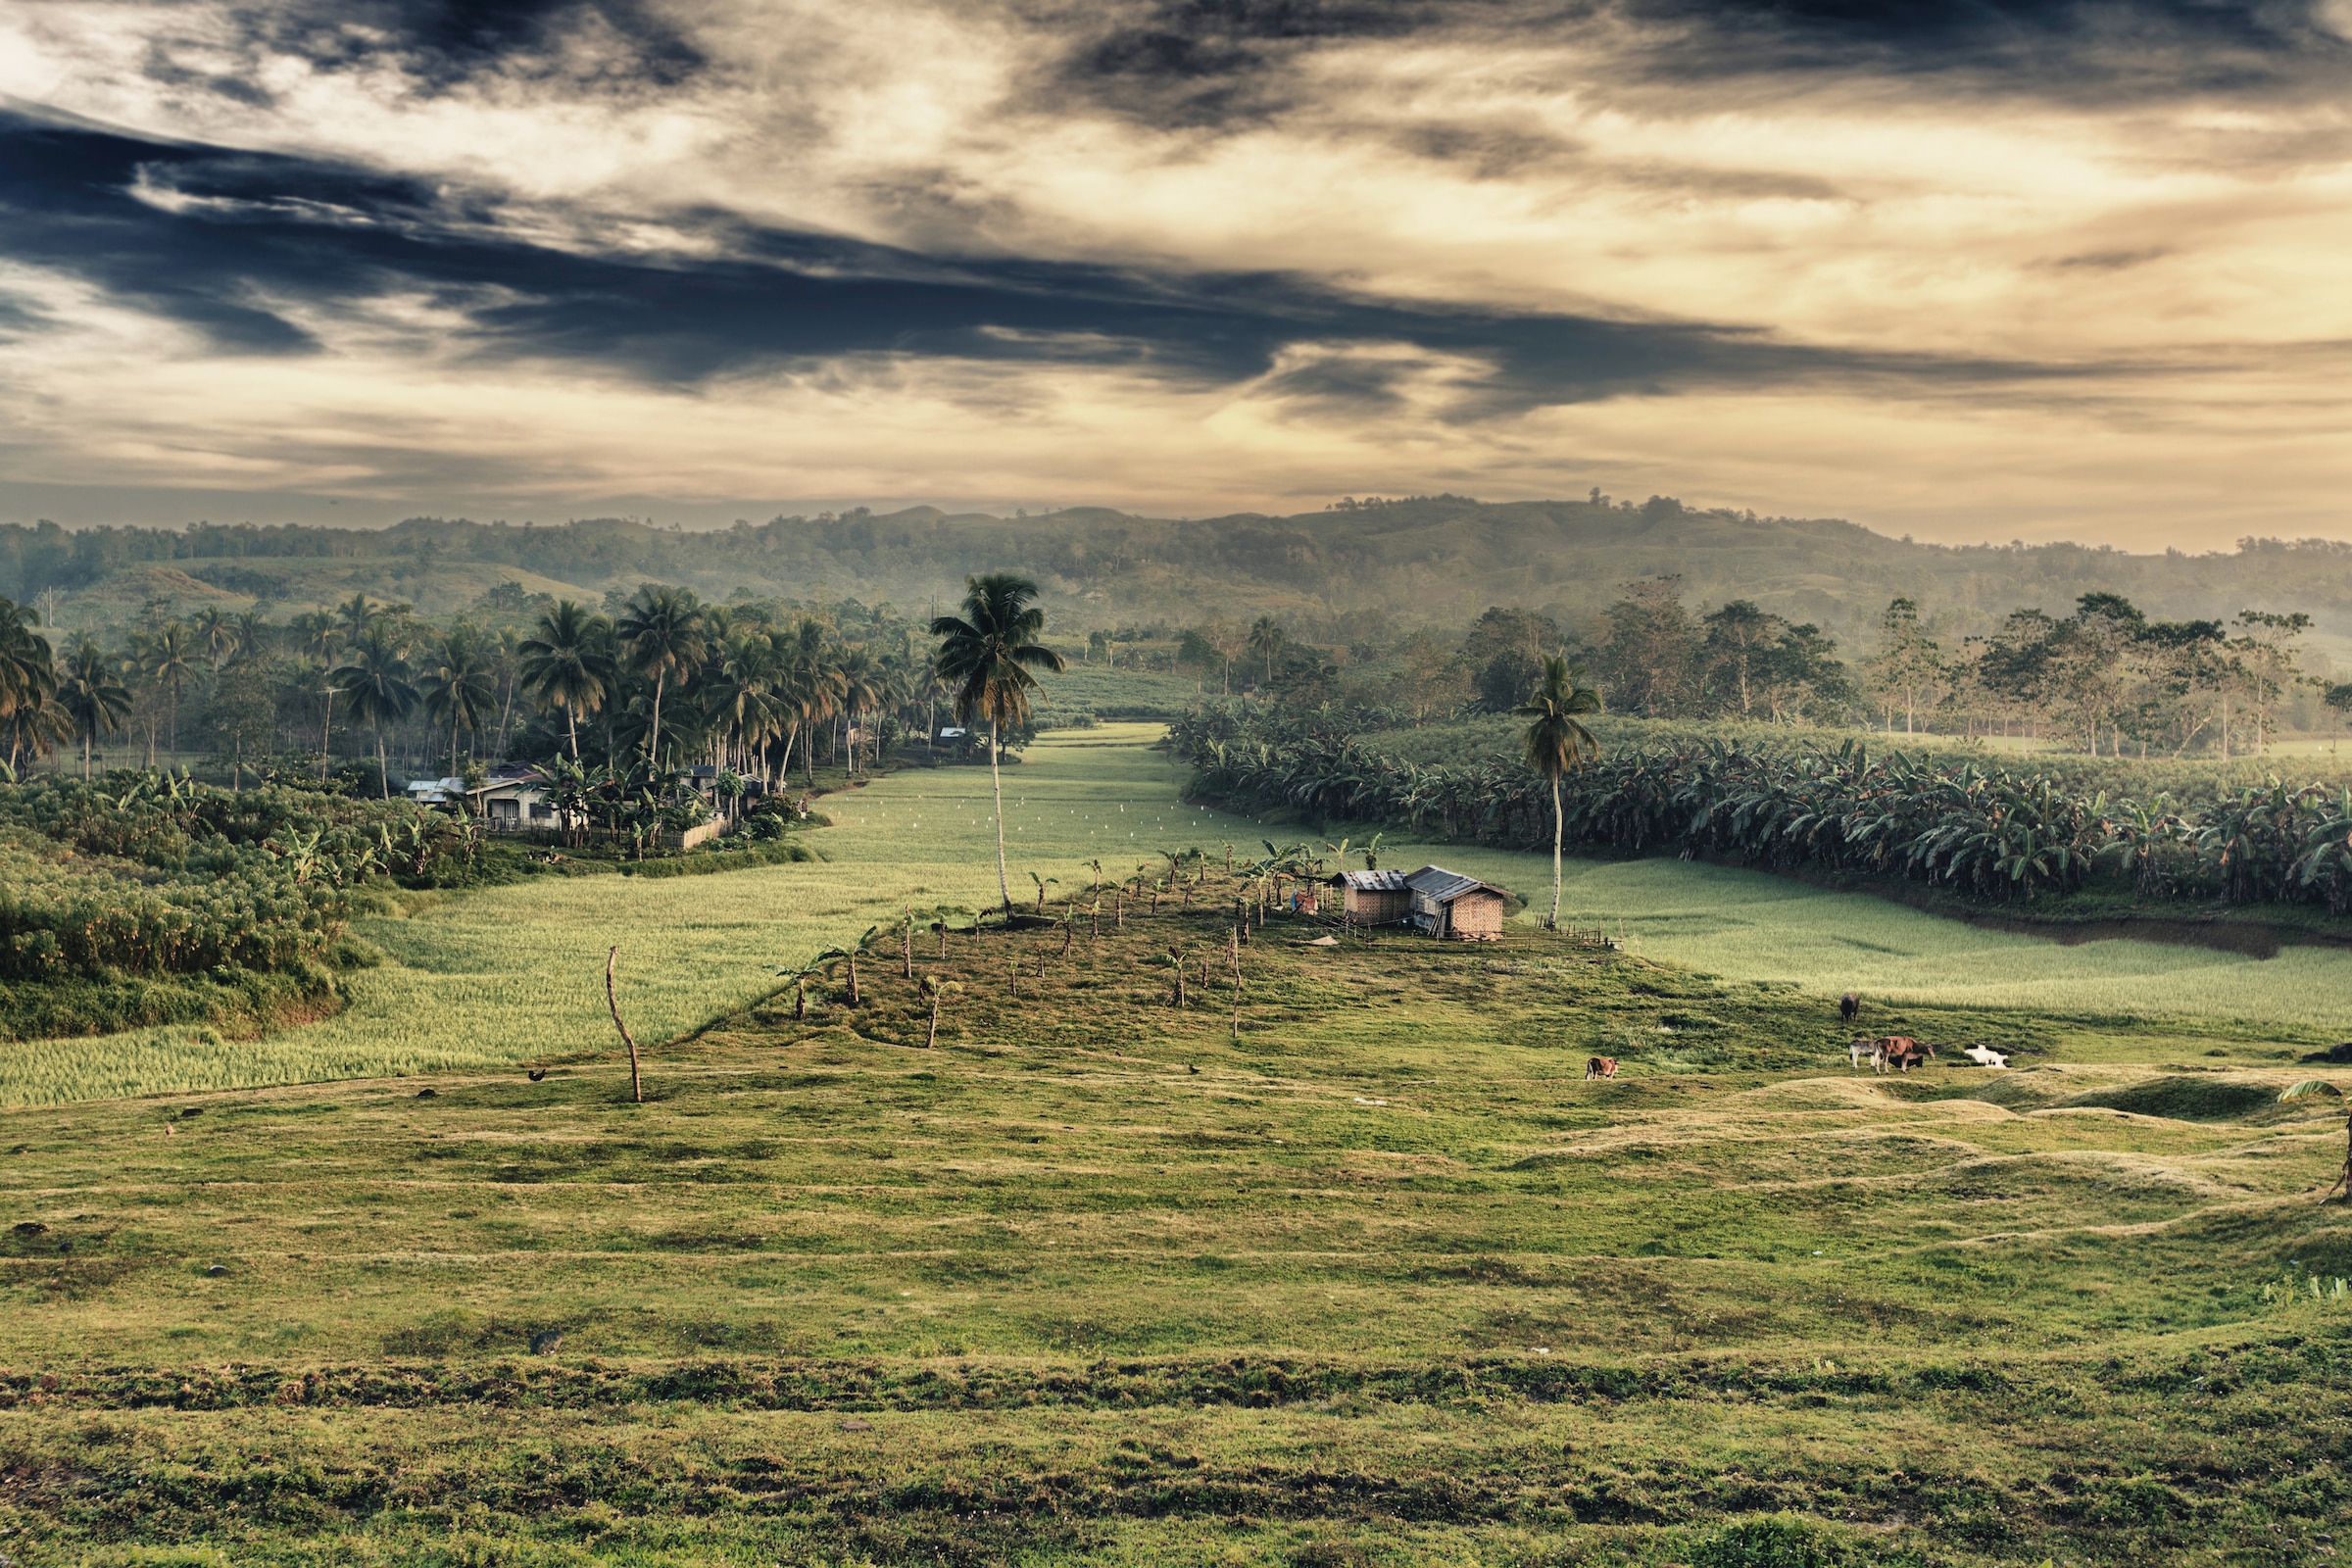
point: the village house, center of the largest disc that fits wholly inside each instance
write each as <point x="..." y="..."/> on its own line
<point x="1444" y="903"/>
<point x="1452" y="906"/>
<point x="1374" y="897"/>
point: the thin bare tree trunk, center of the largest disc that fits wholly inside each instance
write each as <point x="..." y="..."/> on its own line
<point x="636" y="1085"/>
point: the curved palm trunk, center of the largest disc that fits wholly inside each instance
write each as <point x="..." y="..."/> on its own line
<point x="996" y="782"/>
<point x="1556" y="828"/>
<point x="572" y="722"/>
<point x="383" y="775"/>
<point x="652" y="744"/>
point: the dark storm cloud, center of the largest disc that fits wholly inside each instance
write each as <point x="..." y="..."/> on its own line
<point x="1207" y="62"/>
<point x="587" y="45"/>
<point x="238" y="246"/>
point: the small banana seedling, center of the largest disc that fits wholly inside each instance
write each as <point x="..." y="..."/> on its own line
<point x="849" y="957"/>
<point x="1043" y="883"/>
<point x="2311" y="1088"/>
<point x="799" y="979"/>
<point x="937" y="989"/>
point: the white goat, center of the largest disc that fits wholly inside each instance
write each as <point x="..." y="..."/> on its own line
<point x="1986" y="1057"/>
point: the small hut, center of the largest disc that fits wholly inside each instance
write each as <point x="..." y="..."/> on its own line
<point x="1451" y="905"/>
<point x="1374" y="897"/>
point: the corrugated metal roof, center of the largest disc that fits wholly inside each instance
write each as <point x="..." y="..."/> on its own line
<point x="1440" y="886"/>
<point x="1372" y="881"/>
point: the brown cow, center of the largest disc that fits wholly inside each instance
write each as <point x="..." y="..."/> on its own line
<point x="1902" y="1052"/>
<point x="1599" y="1067"/>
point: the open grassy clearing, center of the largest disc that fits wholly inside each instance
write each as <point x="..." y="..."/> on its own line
<point x="1380" y="1280"/>
<point x="514" y="973"/>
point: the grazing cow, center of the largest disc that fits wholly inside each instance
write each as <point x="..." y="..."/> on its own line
<point x="1599" y="1067"/>
<point x="1903" y="1051"/>
<point x="1848" y="1006"/>
<point x="1861" y="1049"/>
<point x="1986" y="1057"/>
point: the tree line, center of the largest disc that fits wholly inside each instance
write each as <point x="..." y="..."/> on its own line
<point x="665" y="679"/>
<point x="2104" y="679"/>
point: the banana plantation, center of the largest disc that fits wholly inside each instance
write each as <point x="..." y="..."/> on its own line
<point x="1984" y="831"/>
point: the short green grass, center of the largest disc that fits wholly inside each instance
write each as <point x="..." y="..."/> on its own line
<point x="1377" y="1279"/>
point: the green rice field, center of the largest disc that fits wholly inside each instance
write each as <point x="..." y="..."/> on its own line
<point x="516" y="973"/>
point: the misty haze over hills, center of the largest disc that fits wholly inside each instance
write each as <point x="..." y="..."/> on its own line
<point x="1346" y="571"/>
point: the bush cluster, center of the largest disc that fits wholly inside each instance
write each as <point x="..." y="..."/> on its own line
<point x="1986" y="831"/>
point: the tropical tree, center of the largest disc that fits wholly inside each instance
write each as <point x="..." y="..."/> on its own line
<point x="375" y="689"/>
<point x="170" y="658"/>
<point x="251" y="635"/>
<point x="1266" y="640"/>
<point x="986" y="655"/>
<point x="662" y="636"/>
<point x="458" y="685"/>
<point x="354" y="616"/>
<point x="316" y="635"/>
<point x="94" y="697"/>
<point x="565" y="667"/>
<point x="1556" y="743"/>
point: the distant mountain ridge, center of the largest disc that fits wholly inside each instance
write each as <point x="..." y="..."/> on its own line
<point x="1422" y="559"/>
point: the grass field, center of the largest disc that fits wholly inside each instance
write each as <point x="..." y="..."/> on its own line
<point x="1377" y="1279"/>
<point x="516" y="973"/>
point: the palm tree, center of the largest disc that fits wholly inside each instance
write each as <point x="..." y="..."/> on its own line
<point x="215" y="633"/>
<point x="316" y="635"/>
<point x="171" y="661"/>
<point x="986" y="654"/>
<point x="563" y="665"/>
<point x="253" y="632"/>
<point x="457" y="687"/>
<point x="28" y="707"/>
<point x="374" y="688"/>
<point x="661" y="634"/>
<point x="862" y="687"/>
<point x="1266" y="639"/>
<point x="97" y="701"/>
<point x="26" y="667"/>
<point x="1558" y="745"/>
<point x="356" y="615"/>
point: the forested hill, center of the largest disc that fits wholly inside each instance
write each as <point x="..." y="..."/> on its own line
<point x="1425" y="558"/>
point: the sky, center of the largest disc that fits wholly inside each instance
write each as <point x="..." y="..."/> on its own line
<point x="1959" y="269"/>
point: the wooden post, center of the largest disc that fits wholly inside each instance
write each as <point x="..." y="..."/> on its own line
<point x="636" y="1084"/>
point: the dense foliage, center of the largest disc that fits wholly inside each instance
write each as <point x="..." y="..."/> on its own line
<point x="145" y="874"/>
<point x="1954" y="822"/>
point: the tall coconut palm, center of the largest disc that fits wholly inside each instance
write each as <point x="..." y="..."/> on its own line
<point x="354" y="616"/>
<point x="29" y="709"/>
<point x="215" y="633"/>
<point x="563" y="665"/>
<point x="458" y="685"/>
<point x="94" y="697"/>
<point x="374" y="689"/>
<point x="1558" y="745"/>
<point x="253" y="634"/>
<point x="862" y="687"/>
<point x="316" y="636"/>
<point x="171" y="661"/>
<point x="1266" y="640"/>
<point x="662" y="636"/>
<point x="986" y="655"/>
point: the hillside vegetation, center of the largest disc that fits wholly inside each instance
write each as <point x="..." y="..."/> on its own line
<point x="1412" y="561"/>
